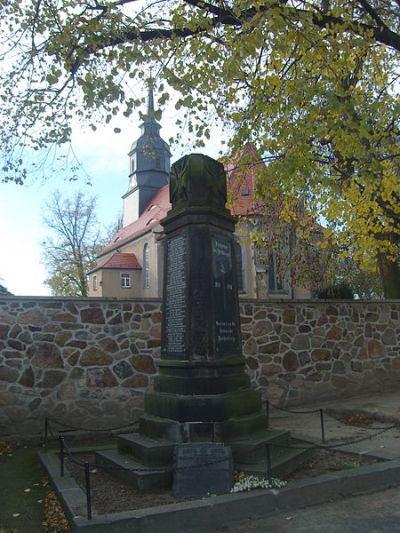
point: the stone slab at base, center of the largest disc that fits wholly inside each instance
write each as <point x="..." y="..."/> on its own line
<point x="218" y="511"/>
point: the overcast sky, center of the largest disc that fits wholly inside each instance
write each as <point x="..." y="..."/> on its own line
<point x="104" y="157"/>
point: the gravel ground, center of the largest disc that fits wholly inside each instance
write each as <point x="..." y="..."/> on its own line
<point x="110" y="495"/>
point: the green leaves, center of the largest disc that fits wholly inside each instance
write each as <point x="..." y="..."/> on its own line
<point x="313" y="88"/>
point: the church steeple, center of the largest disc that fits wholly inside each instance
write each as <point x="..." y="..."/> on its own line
<point x="150" y="100"/>
<point x="149" y="160"/>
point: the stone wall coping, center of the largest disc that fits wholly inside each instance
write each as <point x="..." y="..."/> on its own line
<point x="75" y="299"/>
<point x="284" y="301"/>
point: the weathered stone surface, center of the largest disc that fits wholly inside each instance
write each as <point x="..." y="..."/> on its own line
<point x="100" y="377"/>
<point x="338" y="367"/>
<point x="16" y="345"/>
<point x="12" y="354"/>
<point x="15" y="331"/>
<point x="389" y="337"/>
<point x="334" y="333"/>
<point x="332" y="311"/>
<point x="25" y="337"/>
<point x="270" y="370"/>
<point x="321" y="354"/>
<point x="47" y="355"/>
<point x="301" y="342"/>
<point x="375" y="348"/>
<point x="4" y="329"/>
<point x="64" y="317"/>
<point x="137" y="381"/>
<point x="8" y="374"/>
<point x="73" y="358"/>
<point x="77" y="344"/>
<point x="252" y="362"/>
<point x="51" y="379"/>
<point x="92" y="315"/>
<point x="116" y="319"/>
<point x="289" y="316"/>
<point x="27" y="379"/>
<point x="95" y="357"/>
<point x="62" y="337"/>
<point x="250" y="347"/>
<point x="35" y="317"/>
<point x="155" y="331"/>
<point x="262" y="328"/>
<point x="153" y="343"/>
<point x="290" y="361"/>
<point x="272" y="347"/>
<point x="123" y="369"/>
<point x="109" y="345"/>
<point x="143" y="363"/>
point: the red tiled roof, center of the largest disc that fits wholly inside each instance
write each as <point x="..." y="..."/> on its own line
<point x="121" y="261"/>
<point x="159" y="205"/>
<point x="151" y="216"/>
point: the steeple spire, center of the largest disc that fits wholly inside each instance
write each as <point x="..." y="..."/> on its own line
<point x="150" y="100"/>
<point x="149" y="163"/>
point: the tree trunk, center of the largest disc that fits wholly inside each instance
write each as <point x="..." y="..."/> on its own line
<point x="390" y="276"/>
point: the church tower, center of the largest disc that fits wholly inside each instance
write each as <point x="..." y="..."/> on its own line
<point x="149" y="160"/>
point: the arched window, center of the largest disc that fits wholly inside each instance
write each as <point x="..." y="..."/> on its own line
<point x="275" y="281"/>
<point x="239" y="266"/>
<point x="146" y="267"/>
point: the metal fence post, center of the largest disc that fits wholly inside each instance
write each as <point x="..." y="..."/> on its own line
<point x="88" y="492"/>
<point x="269" y="466"/>
<point x="62" y="455"/>
<point x="321" y="414"/>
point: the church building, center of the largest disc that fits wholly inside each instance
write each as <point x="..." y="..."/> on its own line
<point x="131" y="265"/>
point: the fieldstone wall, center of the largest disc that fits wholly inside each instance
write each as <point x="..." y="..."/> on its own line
<point x="303" y="351"/>
<point x="83" y="362"/>
<point x="88" y="362"/>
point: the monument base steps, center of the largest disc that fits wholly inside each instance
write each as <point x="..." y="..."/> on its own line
<point x="280" y="465"/>
<point x="150" y="452"/>
<point x="147" y="463"/>
<point x="126" y="468"/>
<point x="236" y="427"/>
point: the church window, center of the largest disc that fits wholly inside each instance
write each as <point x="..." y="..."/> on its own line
<point x="94" y="283"/>
<point x="239" y="266"/>
<point x="158" y="162"/>
<point x="132" y="165"/>
<point x="245" y="191"/>
<point x="126" y="280"/>
<point x="275" y="282"/>
<point x="146" y="267"/>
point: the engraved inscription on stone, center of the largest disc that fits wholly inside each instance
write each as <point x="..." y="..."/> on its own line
<point x="226" y="328"/>
<point x="175" y="305"/>
<point x="202" y="468"/>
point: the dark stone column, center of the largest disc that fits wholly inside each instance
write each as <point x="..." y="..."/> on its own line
<point x="201" y="372"/>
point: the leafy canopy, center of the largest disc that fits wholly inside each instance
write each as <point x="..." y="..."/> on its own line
<point x="72" y="246"/>
<point x="313" y="84"/>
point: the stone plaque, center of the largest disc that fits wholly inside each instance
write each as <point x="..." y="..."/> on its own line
<point x="175" y="303"/>
<point x="201" y="469"/>
<point x="226" y="327"/>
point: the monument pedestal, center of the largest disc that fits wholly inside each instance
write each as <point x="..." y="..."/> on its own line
<point x="202" y="392"/>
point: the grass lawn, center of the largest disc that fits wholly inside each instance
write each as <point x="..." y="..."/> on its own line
<point x="26" y="498"/>
<point x="22" y="493"/>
